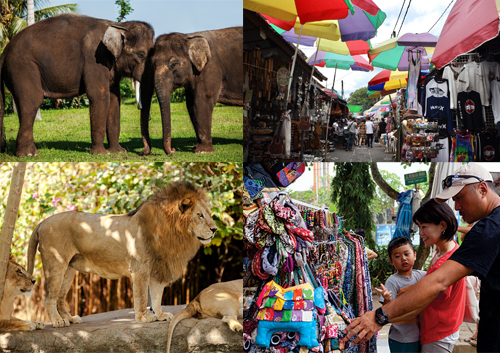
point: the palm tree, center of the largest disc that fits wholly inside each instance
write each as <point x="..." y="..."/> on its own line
<point x="14" y="15"/>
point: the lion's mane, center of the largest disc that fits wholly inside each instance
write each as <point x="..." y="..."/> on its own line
<point x="165" y="219"/>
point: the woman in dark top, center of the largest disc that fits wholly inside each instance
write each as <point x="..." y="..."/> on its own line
<point x="381" y="130"/>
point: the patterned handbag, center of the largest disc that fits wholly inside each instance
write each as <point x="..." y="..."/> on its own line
<point x="292" y="309"/>
<point x="290" y="173"/>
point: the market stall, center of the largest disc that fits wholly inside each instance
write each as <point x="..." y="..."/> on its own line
<point x="305" y="276"/>
<point x="270" y="130"/>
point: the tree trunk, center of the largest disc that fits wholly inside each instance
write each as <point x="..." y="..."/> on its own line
<point x="423" y="251"/>
<point x="16" y="188"/>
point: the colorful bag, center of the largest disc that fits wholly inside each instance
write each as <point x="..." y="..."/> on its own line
<point x="292" y="309"/>
<point x="290" y="173"/>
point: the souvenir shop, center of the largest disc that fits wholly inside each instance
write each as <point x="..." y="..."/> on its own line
<point x="305" y="276"/>
<point x="458" y="113"/>
<point x="271" y="127"/>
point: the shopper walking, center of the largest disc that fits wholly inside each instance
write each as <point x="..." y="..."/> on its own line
<point x="382" y="126"/>
<point x="362" y="133"/>
<point x="351" y="128"/>
<point x="369" y="132"/>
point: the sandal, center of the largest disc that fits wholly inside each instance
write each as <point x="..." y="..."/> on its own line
<point x="473" y="342"/>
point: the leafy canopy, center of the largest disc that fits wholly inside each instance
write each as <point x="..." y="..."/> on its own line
<point x="359" y="97"/>
<point x="352" y="192"/>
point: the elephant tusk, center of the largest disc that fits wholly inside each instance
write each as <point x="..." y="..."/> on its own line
<point x="138" y="94"/>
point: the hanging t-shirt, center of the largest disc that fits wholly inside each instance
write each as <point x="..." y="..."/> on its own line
<point x="480" y="252"/>
<point x="437" y="106"/>
<point x="451" y="74"/>
<point x="495" y="99"/>
<point x="471" y="110"/>
<point x="490" y="71"/>
<point x="471" y="79"/>
<point x="411" y="91"/>
<point x="487" y="147"/>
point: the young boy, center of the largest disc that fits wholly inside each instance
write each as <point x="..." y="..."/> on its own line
<point x="403" y="336"/>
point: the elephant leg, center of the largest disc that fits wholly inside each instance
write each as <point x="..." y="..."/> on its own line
<point x="200" y="106"/>
<point x="28" y="99"/>
<point x="113" y="122"/>
<point x="61" y="301"/>
<point x="97" y="88"/>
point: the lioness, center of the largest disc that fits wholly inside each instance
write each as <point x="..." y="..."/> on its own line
<point x="17" y="282"/>
<point x="220" y="300"/>
<point x="152" y="245"/>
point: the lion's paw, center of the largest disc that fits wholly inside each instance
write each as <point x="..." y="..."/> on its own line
<point x="75" y="319"/>
<point x="165" y="317"/>
<point x="61" y="323"/>
<point x="39" y="325"/>
<point x="146" y="318"/>
<point x="31" y="325"/>
<point x="236" y="326"/>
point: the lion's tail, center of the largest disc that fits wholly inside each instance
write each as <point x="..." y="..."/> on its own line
<point x="186" y="313"/>
<point x="32" y="246"/>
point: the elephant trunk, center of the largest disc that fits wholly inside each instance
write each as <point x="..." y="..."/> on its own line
<point x="3" y="141"/>
<point x="143" y="95"/>
<point x="164" y="92"/>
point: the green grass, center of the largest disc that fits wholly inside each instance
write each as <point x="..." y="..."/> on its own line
<point x="64" y="135"/>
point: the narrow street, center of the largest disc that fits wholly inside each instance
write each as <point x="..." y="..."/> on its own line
<point x="361" y="154"/>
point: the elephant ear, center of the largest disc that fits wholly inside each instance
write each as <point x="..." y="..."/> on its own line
<point x="113" y="40"/>
<point x="199" y="52"/>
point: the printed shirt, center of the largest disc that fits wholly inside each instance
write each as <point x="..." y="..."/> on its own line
<point x="444" y="315"/>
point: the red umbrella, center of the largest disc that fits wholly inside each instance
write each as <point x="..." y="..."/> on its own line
<point x="469" y="24"/>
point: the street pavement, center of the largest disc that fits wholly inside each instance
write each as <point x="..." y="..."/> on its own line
<point x="466" y="330"/>
<point x="361" y="154"/>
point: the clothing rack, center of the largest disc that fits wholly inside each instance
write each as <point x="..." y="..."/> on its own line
<point x="466" y="58"/>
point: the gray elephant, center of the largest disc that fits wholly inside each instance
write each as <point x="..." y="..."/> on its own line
<point x="65" y="56"/>
<point x="209" y="65"/>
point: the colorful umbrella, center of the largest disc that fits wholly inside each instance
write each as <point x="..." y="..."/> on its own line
<point x="353" y="47"/>
<point x="344" y="62"/>
<point x="397" y="58"/>
<point x="387" y="80"/>
<point x="469" y="24"/>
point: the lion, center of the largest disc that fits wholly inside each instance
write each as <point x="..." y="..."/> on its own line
<point x="220" y="300"/>
<point x="152" y="245"/>
<point x="17" y="282"/>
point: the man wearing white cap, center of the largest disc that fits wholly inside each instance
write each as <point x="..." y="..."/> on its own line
<point x="473" y="191"/>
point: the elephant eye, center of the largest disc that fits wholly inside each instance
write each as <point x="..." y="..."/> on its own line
<point x="141" y="56"/>
<point x="19" y="272"/>
<point x="200" y="215"/>
<point x="173" y="65"/>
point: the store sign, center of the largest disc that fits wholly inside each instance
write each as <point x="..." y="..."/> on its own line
<point x="385" y="232"/>
<point x="415" y="178"/>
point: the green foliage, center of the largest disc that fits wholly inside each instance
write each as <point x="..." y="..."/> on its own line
<point x="118" y="188"/>
<point x="380" y="267"/>
<point x="126" y="89"/>
<point x="352" y="192"/>
<point x="359" y="97"/>
<point x="381" y="200"/>
<point x="14" y="14"/>
<point x="125" y="9"/>
<point x="178" y="96"/>
<point x="323" y="198"/>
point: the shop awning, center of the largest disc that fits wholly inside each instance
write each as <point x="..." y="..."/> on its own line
<point x="469" y="24"/>
<point x="355" y="108"/>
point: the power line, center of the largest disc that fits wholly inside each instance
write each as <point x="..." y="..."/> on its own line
<point x="394" y="30"/>
<point x="404" y="17"/>
<point x="441" y="15"/>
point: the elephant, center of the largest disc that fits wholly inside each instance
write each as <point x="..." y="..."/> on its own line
<point x="65" y="56"/>
<point x="208" y="64"/>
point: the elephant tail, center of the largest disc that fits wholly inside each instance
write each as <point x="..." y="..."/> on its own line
<point x="3" y="141"/>
<point x="32" y="246"/>
<point x="186" y="313"/>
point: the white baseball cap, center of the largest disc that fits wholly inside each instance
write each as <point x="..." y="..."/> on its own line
<point x="467" y="174"/>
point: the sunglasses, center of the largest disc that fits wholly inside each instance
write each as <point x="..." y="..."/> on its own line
<point x="450" y="179"/>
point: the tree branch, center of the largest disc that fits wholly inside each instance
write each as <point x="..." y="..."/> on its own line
<point x="379" y="180"/>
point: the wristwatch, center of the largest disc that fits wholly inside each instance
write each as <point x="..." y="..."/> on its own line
<point x="381" y="317"/>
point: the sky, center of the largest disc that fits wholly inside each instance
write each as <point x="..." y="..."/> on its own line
<point x="166" y="16"/>
<point x="421" y="16"/>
